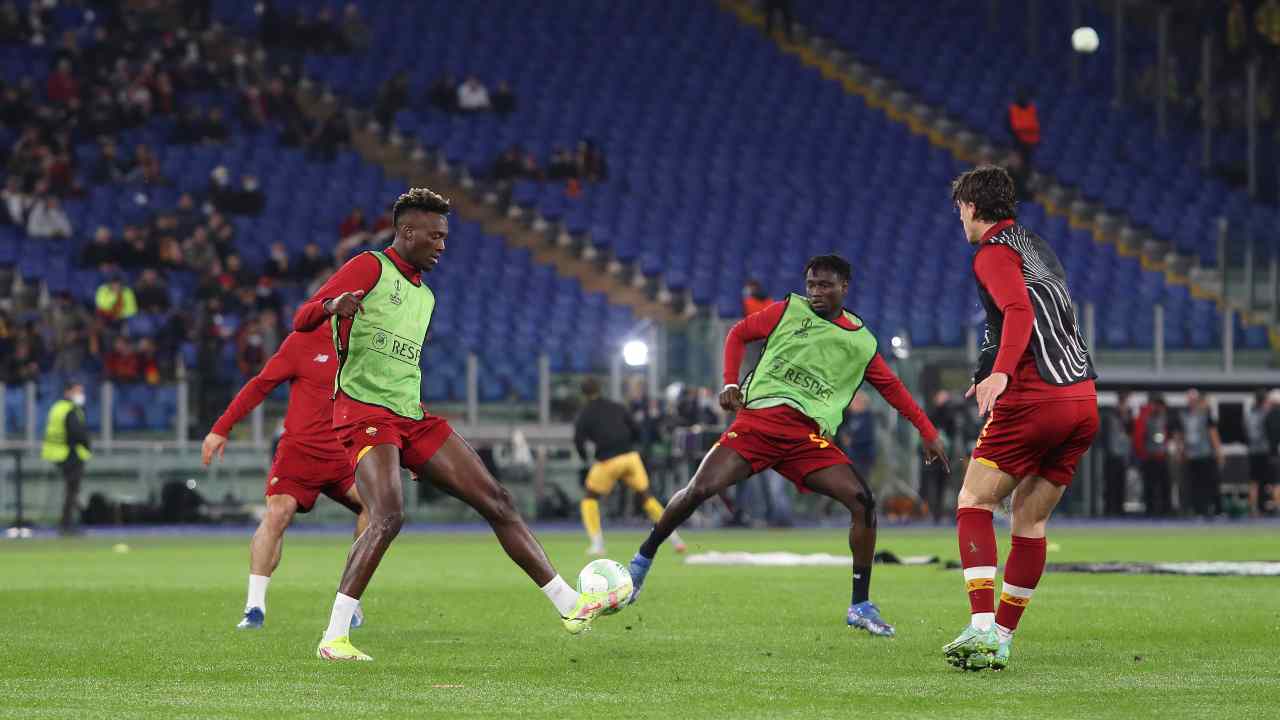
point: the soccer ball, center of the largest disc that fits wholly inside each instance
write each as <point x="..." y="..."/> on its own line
<point x="1085" y="40"/>
<point x="607" y="576"/>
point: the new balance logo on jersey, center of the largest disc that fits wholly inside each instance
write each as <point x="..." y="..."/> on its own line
<point x="321" y="358"/>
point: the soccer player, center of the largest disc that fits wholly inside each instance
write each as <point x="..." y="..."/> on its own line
<point x="610" y="427"/>
<point x="816" y="355"/>
<point x="1034" y="384"/>
<point x="379" y="310"/>
<point x="308" y="459"/>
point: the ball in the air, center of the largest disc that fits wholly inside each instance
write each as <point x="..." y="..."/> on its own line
<point x="609" y="577"/>
<point x="1085" y="40"/>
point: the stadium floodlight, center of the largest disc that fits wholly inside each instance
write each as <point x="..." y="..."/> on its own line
<point x="901" y="347"/>
<point x="635" y="353"/>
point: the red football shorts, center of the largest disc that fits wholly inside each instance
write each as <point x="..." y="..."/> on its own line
<point x="1044" y="439"/>
<point x="784" y="439"/>
<point x="417" y="440"/>
<point x="303" y="476"/>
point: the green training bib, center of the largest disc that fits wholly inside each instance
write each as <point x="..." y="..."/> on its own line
<point x="381" y="363"/>
<point x="811" y="364"/>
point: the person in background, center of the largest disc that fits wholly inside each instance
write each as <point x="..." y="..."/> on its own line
<point x="1151" y="446"/>
<point x="1261" y="451"/>
<point x="47" y="220"/>
<point x="115" y="301"/>
<point x="779" y="9"/>
<point x="473" y="96"/>
<point x="504" y="101"/>
<point x="754" y="298"/>
<point x="608" y="426"/>
<point x="66" y="444"/>
<point x="1024" y="125"/>
<point x="1202" y="453"/>
<point x="1116" y="428"/>
<point x="933" y="476"/>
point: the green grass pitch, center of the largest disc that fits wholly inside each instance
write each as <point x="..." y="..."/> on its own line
<point x="458" y="632"/>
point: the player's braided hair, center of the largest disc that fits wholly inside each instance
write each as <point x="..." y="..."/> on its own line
<point x="421" y="199"/>
<point x="990" y="189"/>
<point x="833" y="263"/>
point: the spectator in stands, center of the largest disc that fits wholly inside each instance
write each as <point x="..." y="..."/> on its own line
<point x="220" y="192"/>
<point x="255" y="107"/>
<point x="324" y="34"/>
<point x="101" y="115"/>
<point x="27" y="358"/>
<point x="47" y="220"/>
<point x="754" y="298"/>
<point x="251" y="355"/>
<point x="234" y="274"/>
<point x="15" y="106"/>
<point x="327" y="136"/>
<point x="1117" y="449"/>
<point x="250" y="200"/>
<point x="507" y="166"/>
<point x="504" y="101"/>
<point x="1239" y="40"/>
<point x="591" y="163"/>
<point x="444" y="93"/>
<point x="778" y="9"/>
<point x="277" y="262"/>
<point x="1021" y="175"/>
<point x="312" y="263"/>
<point x="1151" y="437"/>
<point x="215" y="128"/>
<point x="198" y="250"/>
<point x="60" y="174"/>
<point x="356" y="36"/>
<point x="122" y="363"/>
<point x="169" y="253"/>
<point x="16" y="202"/>
<point x="136" y="252"/>
<point x="114" y="300"/>
<point x="102" y="251"/>
<point x="1024" y="125"/>
<point x="189" y="127"/>
<point x="1201" y="450"/>
<point x="62" y="88"/>
<point x="187" y="214"/>
<point x="70" y="333"/>
<point x="351" y="224"/>
<point x="1266" y="20"/>
<point x="392" y="96"/>
<point x="562" y="165"/>
<point x="148" y="361"/>
<point x="473" y="96"/>
<point x="147" y="167"/>
<point x="151" y="292"/>
<point x="266" y="297"/>
<point x="222" y="233"/>
<point x="11" y="28"/>
<point x="110" y="167"/>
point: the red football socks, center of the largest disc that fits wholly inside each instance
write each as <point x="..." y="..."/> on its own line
<point x="977" y="538"/>
<point x="1021" y="575"/>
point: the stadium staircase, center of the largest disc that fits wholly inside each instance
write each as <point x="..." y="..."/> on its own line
<point x="1188" y="260"/>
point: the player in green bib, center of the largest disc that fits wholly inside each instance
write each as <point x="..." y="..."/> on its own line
<point x="816" y="355"/>
<point x="379" y="309"/>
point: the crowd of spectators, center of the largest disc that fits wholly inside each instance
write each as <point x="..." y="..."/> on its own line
<point x="121" y="70"/>
<point x="586" y="163"/>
